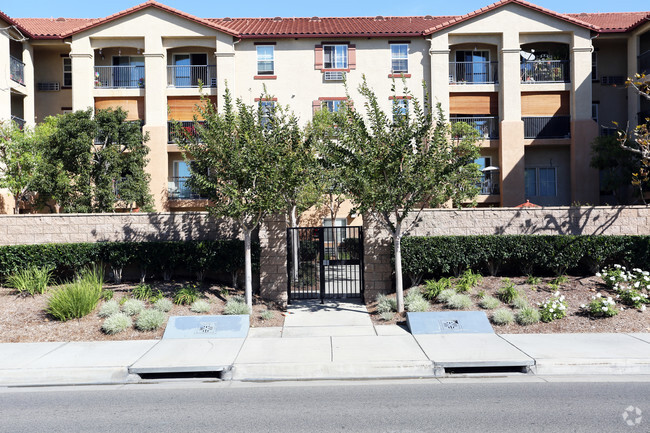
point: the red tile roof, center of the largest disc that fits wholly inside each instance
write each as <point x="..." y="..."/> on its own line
<point x="613" y="21"/>
<point x="51" y="28"/>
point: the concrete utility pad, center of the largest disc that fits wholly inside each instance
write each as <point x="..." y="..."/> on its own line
<point x="176" y="355"/>
<point x="327" y="331"/>
<point x="210" y="327"/>
<point x="285" y="350"/>
<point x="331" y="313"/>
<point x="471" y="350"/>
<point x="20" y="355"/>
<point x="449" y="322"/>
<point x="373" y="349"/>
<point x="642" y="336"/>
<point x="94" y="354"/>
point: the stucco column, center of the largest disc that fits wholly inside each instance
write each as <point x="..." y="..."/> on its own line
<point x="155" y="116"/>
<point x="30" y="85"/>
<point x="439" y="53"/>
<point x="225" y="60"/>
<point x="511" y="135"/>
<point x="5" y="81"/>
<point x="633" y="99"/>
<point x="83" y="70"/>
<point x="584" y="179"/>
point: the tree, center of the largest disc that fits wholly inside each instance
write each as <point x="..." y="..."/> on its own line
<point x="237" y="161"/>
<point x="616" y="166"/>
<point x="394" y="165"/>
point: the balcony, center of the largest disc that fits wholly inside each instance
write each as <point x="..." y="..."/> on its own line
<point x="487" y="127"/>
<point x="545" y="71"/>
<point x="119" y="77"/>
<point x="16" y="70"/>
<point x="178" y="189"/>
<point x="547" y="127"/>
<point x="643" y="63"/>
<point x="192" y="76"/>
<point x="175" y="136"/>
<point x="20" y="122"/>
<point x="473" y="72"/>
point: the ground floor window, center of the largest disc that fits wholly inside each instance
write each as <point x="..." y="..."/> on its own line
<point x="541" y="181"/>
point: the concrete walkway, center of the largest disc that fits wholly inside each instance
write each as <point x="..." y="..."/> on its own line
<point x="336" y="340"/>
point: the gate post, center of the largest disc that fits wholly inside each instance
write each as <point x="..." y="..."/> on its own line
<point x="273" y="259"/>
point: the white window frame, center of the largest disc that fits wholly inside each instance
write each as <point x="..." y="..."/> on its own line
<point x="403" y="105"/>
<point x="67" y="63"/>
<point x="538" y="181"/>
<point x="334" y="62"/>
<point x="397" y="56"/>
<point x="262" y="59"/>
<point x="594" y="111"/>
<point x="594" y="65"/>
<point x="332" y="105"/>
<point x="266" y="112"/>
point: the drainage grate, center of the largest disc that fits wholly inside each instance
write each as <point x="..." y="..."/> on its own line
<point x="182" y="375"/>
<point x="507" y="369"/>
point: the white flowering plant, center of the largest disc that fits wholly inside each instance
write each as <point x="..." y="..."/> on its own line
<point x="633" y="298"/>
<point x="553" y="308"/>
<point x="632" y="287"/>
<point x="601" y="306"/>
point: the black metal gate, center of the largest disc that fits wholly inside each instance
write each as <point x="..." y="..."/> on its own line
<point x="325" y="262"/>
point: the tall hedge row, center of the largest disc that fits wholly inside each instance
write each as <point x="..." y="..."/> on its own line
<point x="520" y="254"/>
<point x="157" y="257"/>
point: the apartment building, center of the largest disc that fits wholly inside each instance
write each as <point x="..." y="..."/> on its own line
<point x="538" y="85"/>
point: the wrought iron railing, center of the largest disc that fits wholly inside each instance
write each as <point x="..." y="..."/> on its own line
<point x="487" y="127"/>
<point x="16" y="70"/>
<point x="119" y="77"/>
<point x="178" y="189"/>
<point x="545" y="71"/>
<point x="473" y="72"/>
<point x="192" y="76"/>
<point x="547" y="127"/>
<point x="179" y="131"/>
<point x="643" y="63"/>
<point x="20" y="122"/>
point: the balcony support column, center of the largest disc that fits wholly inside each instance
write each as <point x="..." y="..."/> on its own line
<point x="633" y="99"/>
<point x="439" y="52"/>
<point x="83" y="72"/>
<point x="28" y="101"/>
<point x="225" y="68"/>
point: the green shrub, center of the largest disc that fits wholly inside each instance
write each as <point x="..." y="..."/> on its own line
<point x="489" y="303"/>
<point x="267" y="315"/>
<point x="508" y="292"/>
<point x="533" y="281"/>
<point x="32" y="280"/>
<point x="481" y="294"/>
<point x="74" y="300"/>
<point x="502" y="316"/>
<point x="601" y="306"/>
<point x="109" y="308"/>
<point x="186" y="295"/>
<point x="432" y="288"/>
<point x="163" y="304"/>
<point x="235" y="308"/>
<point x="553" y="308"/>
<point x="143" y="292"/>
<point x="467" y="281"/>
<point x="237" y="298"/>
<point x="446" y="294"/>
<point x="459" y="302"/>
<point x="415" y="302"/>
<point x="116" y="323"/>
<point x="387" y="316"/>
<point x="200" y="306"/>
<point x="520" y="302"/>
<point x="132" y="307"/>
<point x="93" y="275"/>
<point x="158" y="294"/>
<point x="106" y="295"/>
<point x="150" y="320"/>
<point x="562" y="279"/>
<point x="527" y="316"/>
<point x="386" y="304"/>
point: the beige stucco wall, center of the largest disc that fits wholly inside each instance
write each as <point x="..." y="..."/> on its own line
<point x="48" y="67"/>
<point x="611" y="61"/>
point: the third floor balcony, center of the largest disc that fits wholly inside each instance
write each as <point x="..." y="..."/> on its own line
<point x="473" y="72"/>
<point x="16" y="70"/>
<point x="545" y="62"/>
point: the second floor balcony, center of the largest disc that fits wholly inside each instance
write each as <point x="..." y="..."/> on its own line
<point x="545" y="71"/>
<point x="191" y="76"/>
<point x="119" y="77"/>
<point x="16" y="70"/>
<point x="551" y="127"/>
<point x="180" y="131"/>
<point x="475" y="72"/>
<point x="487" y="126"/>
<point x="178" y="189"/>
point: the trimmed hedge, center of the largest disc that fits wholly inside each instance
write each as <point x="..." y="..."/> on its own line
<point x="66" y="259"/>
<point x="520" y="254"/>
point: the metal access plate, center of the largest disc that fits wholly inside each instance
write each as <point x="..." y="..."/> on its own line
<point x="207" y="327"/>
<point x="449" y="322"/>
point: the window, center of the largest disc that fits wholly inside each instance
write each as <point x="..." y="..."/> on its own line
<point x="335" y="56"/>
<point x="594" y="111"/>
<point x="472" y="67"/>
<point x="541" y="182"/>
<point x="267" y="107"/>
<point x="399" y="58"/>
<point x="489" y="183"/>
<point x="332" y="105"/>
<point x="400" y="109"/>
<point x="190" y="69"/>
<point x="128" y="71"/>
<point x="67" y="72"/>
<point x="265" y="60"/>
<point x="594" y="65"/>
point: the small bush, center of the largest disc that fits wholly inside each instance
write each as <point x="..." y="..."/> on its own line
<point x="459" y="302"/>
<point x="508" y="292"/>
<point x="601" y="307"/>
<point x="150" y="320"/>
<point x="200" y="306"/>
<point x="32" y="280"/>
<point x="106" y="295"/>
<point x="415" y="302"/>
<point x="489" y="303"/>
<point x="142" y="292"/>
<point x="502" y="316"/>
<point x="446" y="294"/>
<point x="467" y="281"/>
<point x="74" y="301"/>
<point x="562" y="279"/>
<point x="93" y="275"/>
<point x="109" y="308"/>
<point x="235" y="308"/>
<point x="386" y="304"/>
<point x="163" y="304"/>
<point x="527" y="316"/>
<point x="237" y="298"/>
<point x="432" y="288"/>
<point x="520" y="302"/>
<point x="553" y="308"/>
<point x="387" y="316"/>
<point x="131" y="307"/>
<point x="116" y="323"/>
<point x="186" y="295"/>
<point x="481" y="294"/>
<point x="533" y="281"/>
<point x="267" y="315"/>
<point x="633" y="298"/>
<point x="158" y="294"/>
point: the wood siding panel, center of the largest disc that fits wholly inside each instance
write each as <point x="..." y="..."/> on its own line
<point x="545" y="104"/>
<point x="133" y="106"/>
<point x="474" y="103"/>
<point x="183" y="108"/>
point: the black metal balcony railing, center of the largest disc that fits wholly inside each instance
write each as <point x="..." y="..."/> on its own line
<point x="20" y="122"/>
<point x="643" y="63"/>
<point x="191" y="76"/>
<point x="487" y="127"/>
<point x="188" y="127"/>
<point x="179" y="189"/>
<point x="547" y="127"/>
<point x="119" y="77"/>
<point x="489" y="186"/>
<point x="473" y="72"/>
<point x="545" y="71"/>
<point x="16" y="70"/>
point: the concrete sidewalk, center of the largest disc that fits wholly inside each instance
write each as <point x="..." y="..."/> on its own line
<point x="333" y="341"/>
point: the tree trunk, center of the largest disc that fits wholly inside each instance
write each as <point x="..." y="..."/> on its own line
<point x="399" y="285"/>
<point x="16" y="206"/>
<point x="248" y="269"/>
<point x="295" y="240"/>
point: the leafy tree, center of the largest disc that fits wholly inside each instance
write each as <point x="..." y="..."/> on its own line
<point x="616" y="166"/>
<point x="397" y="163"/>
<point x="237" y="161"/>
<point x="20" y="159"/>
